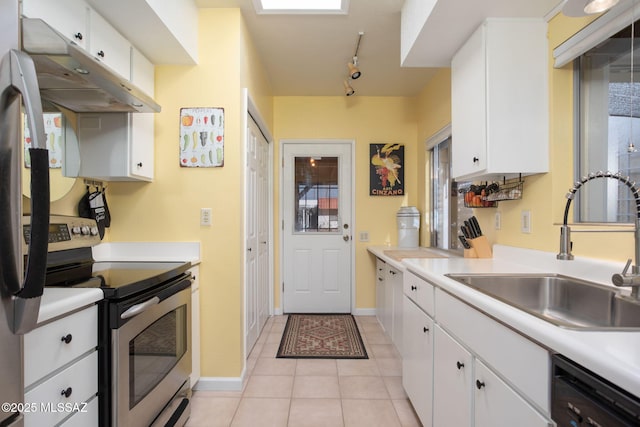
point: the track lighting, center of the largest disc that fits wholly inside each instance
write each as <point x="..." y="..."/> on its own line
<point x="348" y="90"/>
<point x="354" y="71"/>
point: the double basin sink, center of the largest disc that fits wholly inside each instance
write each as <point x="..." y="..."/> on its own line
<point x="564" y="301"/>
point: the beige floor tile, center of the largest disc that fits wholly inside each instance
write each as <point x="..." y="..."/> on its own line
<point x="315" y="413"/>
<point x="210" y="394"/>
<point x="273" y="366"/>
<point x="377" y="337"/>
<point x="277" y="328"/>
<point x="274" y="337"/>
<point x="370" y="327"/>
<point x="390" y="367"/>
<point x="270" y="350"/>
<point x="384" y="351"/>
<point x="357" y="367"/>
<point x="316" y="387"/>
<point x="367" y="319"/>
<point x="394" y="387"/>
<point x="363" y="387"/>
<point x="316" y="367"/>
<point x="262" y="413"/>
<point x="406" y="414"/>
<point x="369" y="413"/>
<point x="269" y="386"/>
<point x="212" y="411"/>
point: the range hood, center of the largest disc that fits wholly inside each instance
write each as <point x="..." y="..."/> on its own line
<point x="68" y="76"/>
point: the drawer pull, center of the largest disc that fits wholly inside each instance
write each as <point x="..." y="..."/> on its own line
<point x="479" y="384"/>
<point x="101" y="54"/>
<point x="425" y="329"/>
<point x="66" y="339"/>
<point x="78" y="36"/>
<point x="460" y="365"/>
<point x="66" y="393"/>
<point x="392" y="272"/>
<point x="414" y="288"/>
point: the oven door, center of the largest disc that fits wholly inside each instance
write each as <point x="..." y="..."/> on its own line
<point x="151" y="353"/>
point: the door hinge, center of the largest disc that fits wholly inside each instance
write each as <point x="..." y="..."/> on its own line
<point x="283" y="224"/>
<point x="282" y="287"/>
<point x="283" y="162"/>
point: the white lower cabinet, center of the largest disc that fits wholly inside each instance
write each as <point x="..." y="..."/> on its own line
<point x="452" y="381"/>
<point x="462" y="368"/>
<point x="417" y="360"/>
<point x="61" y="371"/>
<point x="389" y="285"/>
<point x="380" y="303"/>
<point x="195" y="325"/>
<point x="497" y="404"/>
<point x="395" y="283"/>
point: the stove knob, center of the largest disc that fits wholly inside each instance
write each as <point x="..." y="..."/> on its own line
<point x="94" y="231"/>
<point x="85" y="230"/>
<point x="75" y="229"/>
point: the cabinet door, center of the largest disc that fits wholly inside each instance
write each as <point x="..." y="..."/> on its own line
<point x="496" y="404"/>
<point x="417" y="360"/>
<point x="68" y="17"/>
<point x="142" y="72"/>
<point x="109" y="46"/>
<point x="141" y="149"/>
<point x="380" y="272"/>
<point x="468" y="107"/>
<point x="387" y="310"/>
<point x="452" y="382"/>
<point x="396" y="285"/>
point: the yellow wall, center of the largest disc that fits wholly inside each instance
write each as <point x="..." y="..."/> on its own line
<point x="366" y="120"/>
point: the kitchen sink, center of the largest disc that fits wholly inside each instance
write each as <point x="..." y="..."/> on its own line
<point x="564" y="301"/>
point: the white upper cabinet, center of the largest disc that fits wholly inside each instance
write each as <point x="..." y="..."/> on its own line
<point x="108" y="46"/>
<point x="500" y="107"/>
<point x="142" y="72"/>
<point x="69" y="17"/>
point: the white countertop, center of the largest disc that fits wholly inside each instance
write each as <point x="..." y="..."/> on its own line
<point x="147" y="251"/>
<point x="613" y="355"/>
<point x="59" y="301"/>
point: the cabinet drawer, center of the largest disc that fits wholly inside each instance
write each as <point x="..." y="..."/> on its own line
<point x="86" y="417"/>
<point x="420" y="291"/>
<point x="526" y="365"/>
<point x="81" y="379"/>
<point x="44" y="347"/>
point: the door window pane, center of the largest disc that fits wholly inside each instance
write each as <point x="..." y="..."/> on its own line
<point x="316" y="187"/>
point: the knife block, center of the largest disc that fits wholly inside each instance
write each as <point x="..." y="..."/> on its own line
<point x="470" y="253"/>
<point x="481" y="247"/>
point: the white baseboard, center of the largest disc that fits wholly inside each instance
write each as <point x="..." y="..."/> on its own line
<point x="277" y="311"/>
<point x="364" y="312"/>
<point x="219" y="384"/>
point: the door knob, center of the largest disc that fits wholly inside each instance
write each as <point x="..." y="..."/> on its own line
<point x="345" y="238"/>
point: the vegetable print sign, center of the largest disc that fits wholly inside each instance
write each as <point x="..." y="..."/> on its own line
<point x="201" y="137"/>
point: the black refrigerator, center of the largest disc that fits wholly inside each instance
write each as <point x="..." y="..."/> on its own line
<point x="22" y="267"/>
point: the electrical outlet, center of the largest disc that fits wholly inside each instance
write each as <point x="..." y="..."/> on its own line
<point x="525" y="221"/>
<point x="497" y="221"/>
<point x="205" y="216"/>
<point x="364" y="236"/>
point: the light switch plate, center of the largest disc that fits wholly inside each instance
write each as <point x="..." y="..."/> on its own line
<point x="364" y="236"/>
<point x="525" y="221"/>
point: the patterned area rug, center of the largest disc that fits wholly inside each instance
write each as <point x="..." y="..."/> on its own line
<point x="321" y="336"/>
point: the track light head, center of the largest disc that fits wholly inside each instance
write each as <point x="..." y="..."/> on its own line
<point x="354" y="71"/>
<point x="597" y="6"/>
<point x="348" y="90"/>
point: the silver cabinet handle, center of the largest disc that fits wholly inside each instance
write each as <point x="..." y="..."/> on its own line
<point x="139" y="308"/>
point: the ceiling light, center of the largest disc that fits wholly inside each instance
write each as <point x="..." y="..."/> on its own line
<point x="348" y="90"/>
<point x="578" y="8"/>
<point x="597" y="6"/>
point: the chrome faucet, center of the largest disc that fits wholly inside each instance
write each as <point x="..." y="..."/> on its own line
<point x="618" y="279"/>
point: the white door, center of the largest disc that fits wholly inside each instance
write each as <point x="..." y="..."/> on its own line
<point x="317" y="229"/>
<point x="256" y="235"/>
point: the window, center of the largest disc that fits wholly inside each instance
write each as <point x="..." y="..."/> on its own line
<point x="608" y="96"/>
<point x="446" y="206"/>
<point x="317" y="190"/>
<point x="301" y="6"/>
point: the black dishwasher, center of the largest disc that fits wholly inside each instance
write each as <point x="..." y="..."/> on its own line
<point x="581" y="398"/>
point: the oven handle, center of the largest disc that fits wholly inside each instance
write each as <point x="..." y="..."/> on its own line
<point x="139" y="308"/>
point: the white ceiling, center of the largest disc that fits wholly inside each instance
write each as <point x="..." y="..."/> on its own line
<point x="307" y="54"/>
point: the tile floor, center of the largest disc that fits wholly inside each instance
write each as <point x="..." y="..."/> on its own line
<point x="312" y="393"/>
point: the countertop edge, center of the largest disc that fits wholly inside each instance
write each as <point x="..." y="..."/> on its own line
<point x="56" y="302"/>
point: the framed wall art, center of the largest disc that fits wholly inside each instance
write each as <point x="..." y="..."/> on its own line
<point x="386" y="172"/>
<point x="201" y="137"/>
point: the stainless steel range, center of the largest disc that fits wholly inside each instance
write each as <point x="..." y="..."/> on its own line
<point x="144" y="327"/>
